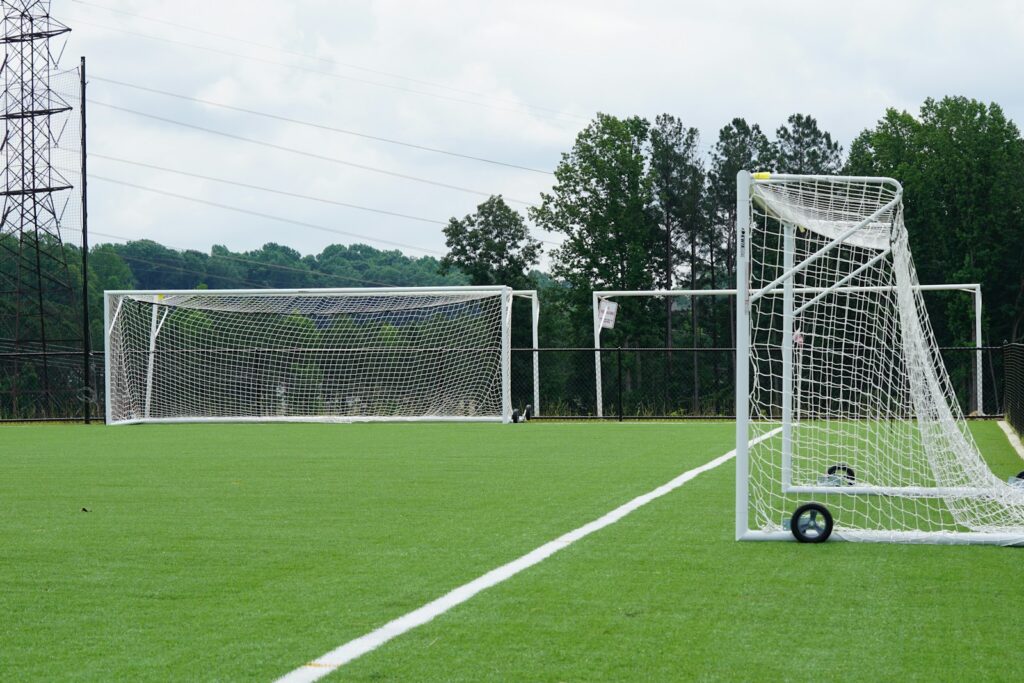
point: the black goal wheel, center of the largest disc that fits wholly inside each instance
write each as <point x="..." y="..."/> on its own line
<point x="515" y="416"/>
<point x="811" y="523"/>
<point x="845" y="471"/>
<point x="1020" y="475"/>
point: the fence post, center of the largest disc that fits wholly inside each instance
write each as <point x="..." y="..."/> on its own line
<point x="618" y="356"/>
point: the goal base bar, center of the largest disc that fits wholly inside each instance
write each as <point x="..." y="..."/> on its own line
<point x="914" y="537"/>
<point x="332" y="419"/>
<point x="905" y="491"/>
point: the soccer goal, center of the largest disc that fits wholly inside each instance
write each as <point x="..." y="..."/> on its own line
<point x="335" y="355"/>
<point x="606" y="311"/>
<point x="846" y="420"/>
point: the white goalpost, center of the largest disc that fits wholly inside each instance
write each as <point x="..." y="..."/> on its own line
<point x="847" y="424"/>
<point x="606" y="295"/>
<point x="531" y="296"/>
<point x="329" y="355"/>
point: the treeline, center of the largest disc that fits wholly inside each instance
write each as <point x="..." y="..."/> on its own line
<point x="145" y="264"/>
<point x="642" y="204"/>
<point x="641" y="207"/>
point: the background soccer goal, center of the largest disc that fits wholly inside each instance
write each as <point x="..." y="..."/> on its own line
<point x="843" y="403"/>
<point x="689" y="298"/>
<point x="309" y="355"/>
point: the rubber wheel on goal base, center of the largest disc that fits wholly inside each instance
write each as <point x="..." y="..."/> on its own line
<point x="515" y="416"/>
<point x="811" y="523"/>
<point x="1020" y="475"/>
<point x="844" y="471"/>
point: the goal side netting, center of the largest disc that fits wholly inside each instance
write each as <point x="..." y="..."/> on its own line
<point x="845" y="400"/>
<point x="309" y="355"/>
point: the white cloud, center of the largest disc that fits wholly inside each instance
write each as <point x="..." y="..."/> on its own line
<point x="706" y="62"/>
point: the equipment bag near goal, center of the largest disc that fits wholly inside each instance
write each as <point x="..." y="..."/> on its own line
<point x="844" y="407"/>
<point x="308" y="355"/>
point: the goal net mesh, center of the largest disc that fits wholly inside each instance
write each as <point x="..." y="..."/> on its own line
<point x="373" y="355"/>
<point x="871" y="427"/>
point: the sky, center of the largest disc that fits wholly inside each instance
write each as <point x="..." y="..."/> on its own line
<point x="509" y="82"/>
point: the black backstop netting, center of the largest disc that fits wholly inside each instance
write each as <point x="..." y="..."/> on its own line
<point x="1013" y="386"/>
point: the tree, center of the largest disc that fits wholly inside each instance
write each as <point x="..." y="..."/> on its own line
<point x="740" y="146"/>
<point x="157" y="267"/>
<point x="678" y="184"/>
<point x="278" y="267"/>
<point x="492" y="246"/>
<point x="801" y="147"/>
<point x="960" y="162"/>
<point x="602" y="202"/>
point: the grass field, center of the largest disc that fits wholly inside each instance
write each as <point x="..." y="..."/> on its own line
<point x="238" y="552"/>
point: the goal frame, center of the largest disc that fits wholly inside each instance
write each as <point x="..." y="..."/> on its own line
<point x="506" y="295"/>
<point x="531" y="295"/>
<point x="600" y="295"/>
<point x="745" y="297"/>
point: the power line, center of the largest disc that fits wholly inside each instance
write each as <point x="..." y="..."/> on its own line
<point x="324" y="60"/>
<point x="311" y="155"/>
<point x="260" y="214"/>
<point x="319" y="126"/>
<point x="270" y="190"/>
<point x="284" y="193"/>
<point x="320" y="72"/>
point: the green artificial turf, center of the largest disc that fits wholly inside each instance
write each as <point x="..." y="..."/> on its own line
<point x="238" y="552"/>
<point x="667" y="595"/>
<point x="241" y="551"/>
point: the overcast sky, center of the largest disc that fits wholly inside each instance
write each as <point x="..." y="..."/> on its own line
<point x="507" y="81"/>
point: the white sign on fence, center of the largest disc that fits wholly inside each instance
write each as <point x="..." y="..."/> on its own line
<point x="606" y="311"/>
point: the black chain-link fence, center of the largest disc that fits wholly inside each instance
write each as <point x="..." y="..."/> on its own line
<point x="636" y="383"/>
<point x="38" y="386"/>
<point x="1013" y="386"/>
<point x="679" y="383"/>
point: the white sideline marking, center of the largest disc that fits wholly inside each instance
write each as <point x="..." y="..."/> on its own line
<point x="1013" y="438"/>
<point x="353" y="649"/>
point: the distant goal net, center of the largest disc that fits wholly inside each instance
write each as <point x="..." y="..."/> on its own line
<point x="308" y="355"/>
<point x="846" y="418"/>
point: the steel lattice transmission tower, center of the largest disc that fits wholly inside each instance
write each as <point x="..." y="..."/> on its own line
<point x="42" y="317"/>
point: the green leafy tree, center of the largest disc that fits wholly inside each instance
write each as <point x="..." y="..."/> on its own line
<point x="740" y="146"/>
<point x="276" y="266"/>
<point x="155" y="266"/>
<point x="492" y="246"/>
<point x="802" y="147"/>
<point x="678" y="182"/>
<point x="960" y="162"/>
<point x="601" y="203"/>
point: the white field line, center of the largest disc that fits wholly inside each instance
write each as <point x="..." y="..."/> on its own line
<point x="1013" y="438"/>
<point x="353" y="649"/>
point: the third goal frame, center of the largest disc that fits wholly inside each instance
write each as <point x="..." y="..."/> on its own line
<point x="603" y="295"/>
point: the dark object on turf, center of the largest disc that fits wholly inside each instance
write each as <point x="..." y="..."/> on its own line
<point x="1020" y="475"/>
<point x="811" y="523"/>
<point x="515" y="415"/>
<point x="528" y="412"/>
<point x="845" y="471"/>
<point x="86" y="510"/>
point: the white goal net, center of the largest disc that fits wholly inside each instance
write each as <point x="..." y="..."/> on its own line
<point x="844" y="401"/>
<point x="308" y="355"/>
